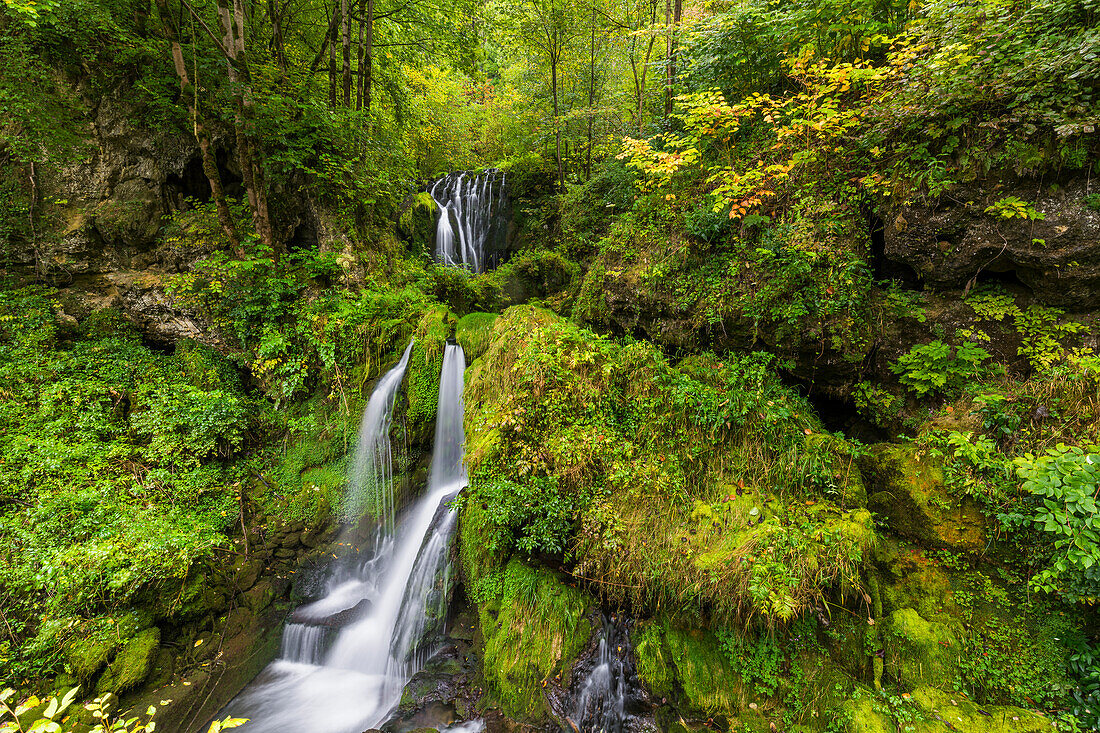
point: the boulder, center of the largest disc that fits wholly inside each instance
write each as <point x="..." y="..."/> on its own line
<point x="132" y="664"/>
<point x="919" y="652"/>
<point x="258" y="597"/>
<point x="949" y="242"/>
<point x="907" y="489"/>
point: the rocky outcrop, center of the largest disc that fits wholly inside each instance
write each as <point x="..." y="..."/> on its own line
<point x="907" y="490"/>
<point x="951" y="242"/>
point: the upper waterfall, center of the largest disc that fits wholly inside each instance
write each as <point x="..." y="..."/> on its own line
<point x="472" y="226"/>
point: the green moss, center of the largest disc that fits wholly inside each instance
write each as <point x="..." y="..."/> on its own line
<point x="919" y="651"/>
<point x="950" y="709"/>
<point x="541" y="628"/>
<point x="132" y="664"/>
<point x="908" y="489"/>
<point x="87" y="654"/>
<point x="422" y="377"/>
<point x="696" y="487"/>
<point x="474" y="332"/>
<point x="688" y="666"/>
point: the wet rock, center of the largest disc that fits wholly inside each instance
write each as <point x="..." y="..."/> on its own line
<point x="294" y="539"/>
<point x="332" y="620"/>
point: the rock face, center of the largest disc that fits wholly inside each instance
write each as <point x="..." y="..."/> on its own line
<point x="950" y="243"/>
<point x="908" y="490"/>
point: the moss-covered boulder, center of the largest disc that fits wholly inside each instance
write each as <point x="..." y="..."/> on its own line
<point x="705" y="484"/>
<point x="132" y="664"/>
<point x="920" y="652"/>
<point x="540" y="629"/>
<point x="422" y="375"/>
<point x="907" y="489"/>
<point x="86" y="655"/>
<point x="929" y="710"/>
<point x="688" y="667"/>
<point x="474" y="332"/>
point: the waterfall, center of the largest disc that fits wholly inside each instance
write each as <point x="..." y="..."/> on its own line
<point x="472" y="225"/>
<point x="606" y="699"/>
<point x="392" y="599"/>
<point x="370" y="483"/>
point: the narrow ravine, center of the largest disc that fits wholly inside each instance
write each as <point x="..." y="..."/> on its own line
<point x="386" y="603"/>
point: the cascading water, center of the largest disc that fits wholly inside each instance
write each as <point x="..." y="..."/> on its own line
<point x="370" y="482"/>
<point x="358" y="682"/>
<point x="472" y="224"/>
<point x="607" y="700"/>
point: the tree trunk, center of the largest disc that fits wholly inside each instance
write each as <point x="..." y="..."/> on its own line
<point x="557" y="122"/>
<point x="189" y="95"/>
<point x="368" y="68"/>
<point x="277" y="43"/>
<point x="333" y="26"/>
<point x="251" y="167"/>
<point x="668" y="57"/>
<point x="591" y="95"/>
<point x="673" y="52"/>
<point x="360" y="55"/>
<point x="345" y="43"/>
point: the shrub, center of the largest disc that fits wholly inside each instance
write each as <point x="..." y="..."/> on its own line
<point x="936" y="368"/>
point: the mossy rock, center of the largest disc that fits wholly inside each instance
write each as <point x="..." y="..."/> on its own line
<point x="689" y="667"/>
<point x="934" y="711"/>
<point x="417" y="222"/>
<point x="86" y="655"/>
<point x="259" y="597"/>
<point x="422" y="376"/>
<point x="908" y="490"/>
<point x="541" y="629"/>
<point x="93" y="643"/>
<point x="474" y="333"/>
<point x="132" y="664"/>
<point x="952" y="711"/>
<point x="920" y="652"/>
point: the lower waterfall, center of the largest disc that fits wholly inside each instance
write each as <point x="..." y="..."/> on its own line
<point x="376" y="616"/>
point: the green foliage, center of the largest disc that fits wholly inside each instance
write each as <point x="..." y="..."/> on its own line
<point x="118" y="471"/>
<point x="606" y="451"/>
<point x="1012" y="207"/>
<point x="532" y="516"/>
<point x="50" y="716"/>
<point x="874" y="403"/>
<point x="937" y="368"/>
<point x="1065" y="482"/>
<point x="758" y="659"/>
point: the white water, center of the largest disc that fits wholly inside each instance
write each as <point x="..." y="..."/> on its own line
<point x="601" y="706"/>
<point x="370" y="481"/>
<point x="471" y="208"/>
<point x="358" y="683"/>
